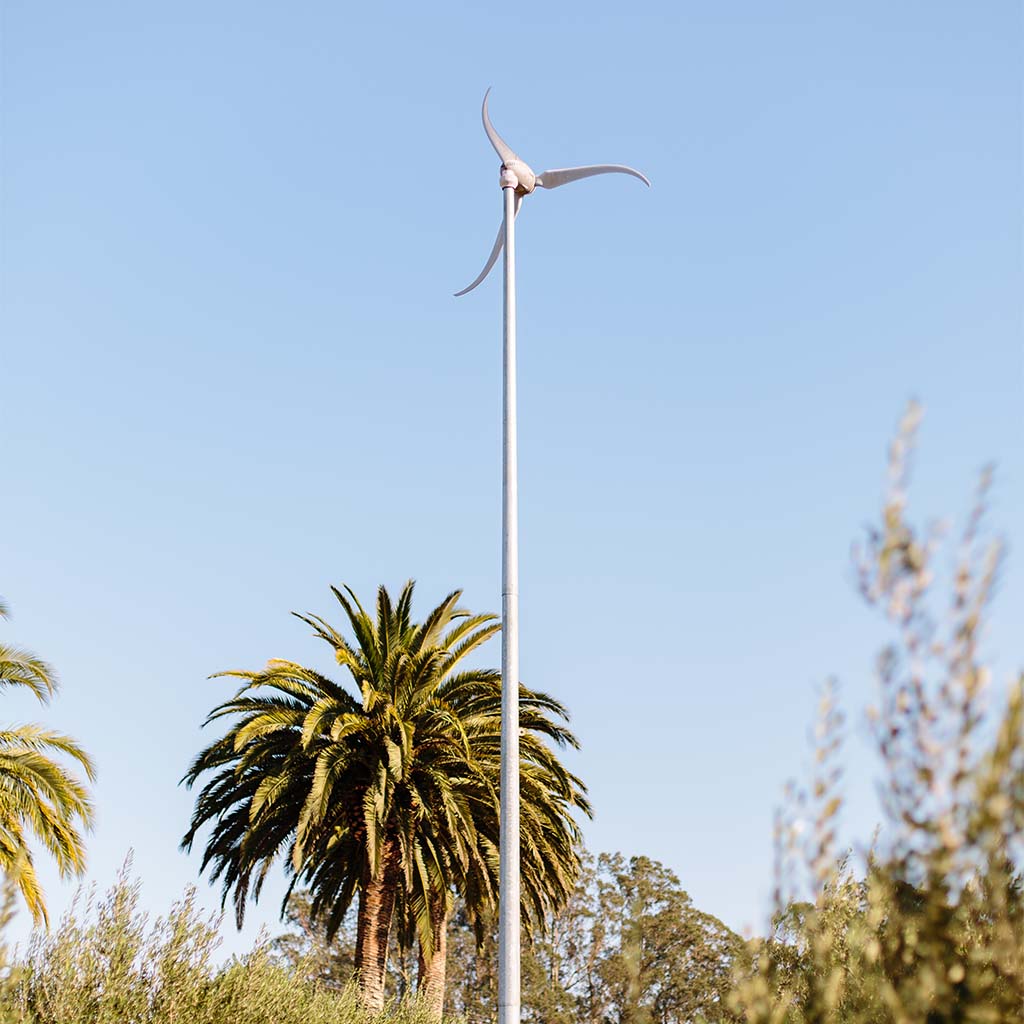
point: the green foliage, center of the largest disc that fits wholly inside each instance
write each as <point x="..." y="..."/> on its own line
<point x="21" y="668"/>
<point x="10" y="972"/>
<point x="934" y="931"/>
<point x="628" y="945"/>
<point x="384" y="788"/>
<point x="107" y="964"/>
<point x="40" y="798"/>
<point x="662" y="960"/>
<point x="306" y="949"/>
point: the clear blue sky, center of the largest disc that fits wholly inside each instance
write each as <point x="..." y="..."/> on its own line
<point x="234" y="372"/>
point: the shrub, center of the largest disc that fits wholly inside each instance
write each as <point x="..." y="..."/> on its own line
<point x="105" y="964"/>
<point x="934" y="931"/>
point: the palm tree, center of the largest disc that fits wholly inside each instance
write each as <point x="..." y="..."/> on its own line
<point x="387" y="792"/>
<point x="39" y="796"/>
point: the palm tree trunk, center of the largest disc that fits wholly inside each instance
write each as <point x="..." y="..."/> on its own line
<point x="430" y="983"/>
<point x="376" y="909"/>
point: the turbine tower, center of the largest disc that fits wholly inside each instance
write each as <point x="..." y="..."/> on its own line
<point x="517" y="180"/>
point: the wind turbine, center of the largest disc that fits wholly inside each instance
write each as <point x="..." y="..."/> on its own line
<point x="517" y="180"/>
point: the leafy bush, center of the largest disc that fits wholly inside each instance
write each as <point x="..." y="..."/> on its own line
<point x="106" y="964"/>
<point x="934" y="931"/>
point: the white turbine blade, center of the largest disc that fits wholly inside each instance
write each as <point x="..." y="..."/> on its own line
<point x="491" y="260"/>
<point x="499" y="242"/>
<point x="501" y="147"/>
<point x="563" y="175"/>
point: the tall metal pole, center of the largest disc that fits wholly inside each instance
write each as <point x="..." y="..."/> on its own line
<point x="508" y="914"/>
<point x="517" y="181"/>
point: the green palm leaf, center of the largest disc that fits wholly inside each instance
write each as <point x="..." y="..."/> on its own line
<point x="41" y="799"/>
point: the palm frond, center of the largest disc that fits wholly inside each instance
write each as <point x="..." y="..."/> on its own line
<point x="22" y="668"/>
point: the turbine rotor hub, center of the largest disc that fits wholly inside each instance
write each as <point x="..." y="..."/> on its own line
<point x="519" y="176"/>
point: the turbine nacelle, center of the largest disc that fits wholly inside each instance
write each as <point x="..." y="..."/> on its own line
<point x="518" y="175"/>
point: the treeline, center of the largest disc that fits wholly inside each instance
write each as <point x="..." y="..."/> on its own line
<point x="628" y="946"/>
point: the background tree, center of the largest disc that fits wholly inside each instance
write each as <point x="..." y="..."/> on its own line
<point x="661" y="959"/>
<point x="330" y="962"/>
<point x="305" y="947"/>
<point x="627" y="945"/>
<point x="40" y="798"/>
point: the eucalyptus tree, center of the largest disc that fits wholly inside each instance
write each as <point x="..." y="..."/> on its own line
<point x="383" y="790"/>
<point x="40" y="797"/>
